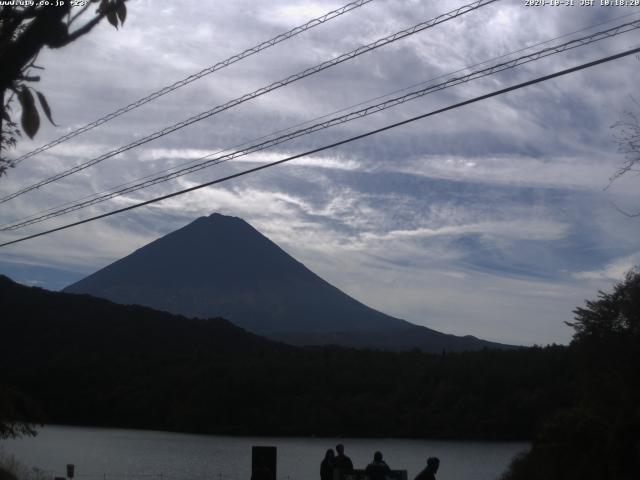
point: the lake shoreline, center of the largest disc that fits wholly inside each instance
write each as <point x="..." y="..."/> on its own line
<point x="182" y="456"/>
<point x="451" y="438"/>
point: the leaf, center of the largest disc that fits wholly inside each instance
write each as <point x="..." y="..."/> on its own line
<point x="113" y="18"/>
<point x="121" y="10"/>
<point x="30" y="119"/>
<point x="102" y="7"/>
<point x="45" y="106"/>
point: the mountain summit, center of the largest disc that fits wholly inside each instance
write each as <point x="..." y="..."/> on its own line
<point x="220" y="266"/>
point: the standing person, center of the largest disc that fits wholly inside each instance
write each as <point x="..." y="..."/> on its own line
<point x="378" y="469"/>
<point x="429" y="473"/>
<point x="343" y="462"/>
<point x="327" y="465"/>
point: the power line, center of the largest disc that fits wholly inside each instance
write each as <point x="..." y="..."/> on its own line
<point x="148" y="182"/>
<point x="113" y="189"/>
<point x="281" y="83"/>
<point x="344" y="109"/>
<point x="196" y="76"/>
<point x="335" y="144"/>
<point x="327" y="115"/>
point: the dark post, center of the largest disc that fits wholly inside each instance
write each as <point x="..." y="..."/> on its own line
<point x="263" y="463"/>
<point x="399" y="474"/>
<point x="70" y="470"/>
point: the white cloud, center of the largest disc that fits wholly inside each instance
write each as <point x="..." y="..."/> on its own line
<point x="554" y="172"/>
<point x="516" y="229"/>
<point x="299" y="13"/>
<point x="614" y="270"/>
<point x="175" y="153"/>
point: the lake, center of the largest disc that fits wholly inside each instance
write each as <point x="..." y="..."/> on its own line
<point x="115" y="454"/>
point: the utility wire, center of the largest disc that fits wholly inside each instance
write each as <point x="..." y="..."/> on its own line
<point x="307" y="122"/>
<point x="281" y="83"/>
<point x="327" y="115"/>
<point x="196" y="76"/>
<point x="579" y="42"/>
<point x="335" y="144"/>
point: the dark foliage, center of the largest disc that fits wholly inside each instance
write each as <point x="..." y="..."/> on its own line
<point x="599" y="436"/>
<point x="6" y="475"/>
<point x="25" y="29"/>
<point x="89" y="361"/>
<point x="613" y="317"/>
<point x="17" y="413"/>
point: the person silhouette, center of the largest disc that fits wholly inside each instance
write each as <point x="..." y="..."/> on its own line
<point x="342" y="462"/>
<point x="327" y="465"/>
<point x="378" y="469"/>
<point x="429" y="473"/>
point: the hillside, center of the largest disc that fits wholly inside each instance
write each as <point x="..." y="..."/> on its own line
<point x="54" y="321"/>
<point x="220" y="266"/>
<point x="88" y="361"/>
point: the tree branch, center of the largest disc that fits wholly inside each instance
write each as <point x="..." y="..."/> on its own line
<point x="84" y="29"/>
<point x="82" y="10"/>
<point x="624" y="212"/>
<point x="46" y="29"/>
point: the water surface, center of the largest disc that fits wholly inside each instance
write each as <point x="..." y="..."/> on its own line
<point x="115" y="454"/>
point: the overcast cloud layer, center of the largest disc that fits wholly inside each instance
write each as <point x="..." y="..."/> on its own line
<point x="493" y="220"/>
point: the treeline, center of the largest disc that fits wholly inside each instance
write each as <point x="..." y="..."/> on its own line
<point x="598" y="436"/>
<point x="88" y="361"/>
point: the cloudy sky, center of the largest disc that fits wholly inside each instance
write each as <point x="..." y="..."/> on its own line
<point x="496" y="219"/>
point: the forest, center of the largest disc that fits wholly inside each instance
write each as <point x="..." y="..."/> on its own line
<point x="87" y="361"/>
<point x="78" y="360"/>
<point x="598" y="437"/>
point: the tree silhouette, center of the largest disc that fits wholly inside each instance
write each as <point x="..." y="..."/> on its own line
<point x="24" y="31"/>
<point x="627" y="135"/>
<point x="598" y="438"/>
<point x="613" y="314"/>
<point x="16" y="413"/>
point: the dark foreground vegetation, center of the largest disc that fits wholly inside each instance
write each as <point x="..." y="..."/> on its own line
<point x="86" y="361"/>
<point x="91" y="362"/>
<point x="598" y="437"/>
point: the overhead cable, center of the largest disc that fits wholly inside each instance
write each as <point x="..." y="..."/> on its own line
<point x="196" y="76"/>
<point x="335" y="144"/>
<point x="500" y="67"/>
<point x="281" y="83"/>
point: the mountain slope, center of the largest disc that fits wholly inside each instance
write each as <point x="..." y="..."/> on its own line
<point x="221" y="266"/>
<point x="46" y="321"/>
<point x="78" y="360"/>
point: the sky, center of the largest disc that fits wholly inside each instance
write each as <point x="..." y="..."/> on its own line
<point x="496" y="219"/>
